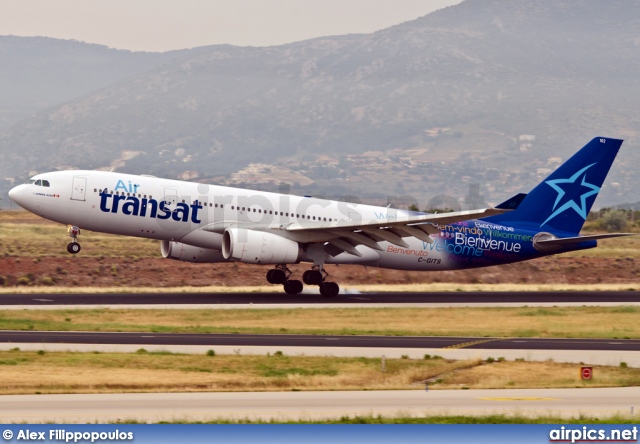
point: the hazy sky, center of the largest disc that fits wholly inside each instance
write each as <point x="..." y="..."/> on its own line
<point x="160" y="25"/>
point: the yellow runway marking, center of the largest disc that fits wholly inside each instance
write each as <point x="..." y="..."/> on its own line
<point x="468" y="344"/>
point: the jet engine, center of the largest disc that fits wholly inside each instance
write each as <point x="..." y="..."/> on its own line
<point x="259" y="247"/>
<point x="189" y="253"/>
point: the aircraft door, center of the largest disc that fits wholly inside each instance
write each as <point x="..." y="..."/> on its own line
<point x="79" y="188"/>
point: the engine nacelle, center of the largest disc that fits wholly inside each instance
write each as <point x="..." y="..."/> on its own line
<point x="189" y="253"/>
<point x="258" y="247"/>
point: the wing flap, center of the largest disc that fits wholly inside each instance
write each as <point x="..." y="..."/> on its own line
<point x="440" y="218"/>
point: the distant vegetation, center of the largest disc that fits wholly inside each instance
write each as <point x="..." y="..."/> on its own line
<point x="613" y="221"/>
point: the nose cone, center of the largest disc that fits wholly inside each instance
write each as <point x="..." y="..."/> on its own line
<point x="14" y="194"/>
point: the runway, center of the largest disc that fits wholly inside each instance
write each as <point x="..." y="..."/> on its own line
<point x="281" y="406"/>
<point x="404" y="342"/>
<point x="273" y="300"/>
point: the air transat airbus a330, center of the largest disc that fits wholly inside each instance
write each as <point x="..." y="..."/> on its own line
<point x="205" y="223"/>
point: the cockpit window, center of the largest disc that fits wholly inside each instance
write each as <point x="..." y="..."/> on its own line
<point x="29" y="182"/>
<point x="45" y="183"/>
<point x="39" y="182"/>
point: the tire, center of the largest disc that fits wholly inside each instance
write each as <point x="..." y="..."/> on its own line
<point x="329" y="289"/>
<point x="293" y="287"/>
<point x="278" y="276"/>
<point x="270" y="276"/>
<point x="312" y="277"/>
<point x="73" y="248"/>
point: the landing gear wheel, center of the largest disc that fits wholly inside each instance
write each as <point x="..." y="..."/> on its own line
<point x="312" y="277"/>
<point x="293" y="287"/>
<point x="73" y="248"/>
<point x="329" y="289"/>
<point x="270" y="277"/>
<point x="278" y="276"/>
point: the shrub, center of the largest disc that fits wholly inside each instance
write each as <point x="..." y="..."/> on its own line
<point x="614" y="221"/>
<point x="23" y="280"/>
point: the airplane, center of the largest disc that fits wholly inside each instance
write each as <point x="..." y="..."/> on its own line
<point x="197" y="222"/>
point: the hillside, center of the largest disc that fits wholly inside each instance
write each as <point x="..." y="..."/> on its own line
<point x="40" y="72"/>
<point x="427" y="107"/>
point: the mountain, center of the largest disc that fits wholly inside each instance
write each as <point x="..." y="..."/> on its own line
<point x="40" y="72"/>
<point x="489" y="92"/>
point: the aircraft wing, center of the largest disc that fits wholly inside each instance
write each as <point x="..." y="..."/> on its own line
<point x="344" y="237"/>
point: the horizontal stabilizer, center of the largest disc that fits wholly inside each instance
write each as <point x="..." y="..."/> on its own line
<point x="543" y="243"/>
<point x="558" y="242"/>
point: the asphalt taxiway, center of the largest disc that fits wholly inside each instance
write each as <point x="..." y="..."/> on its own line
<point x="594" y="352"/>
<point x="281" y="406"/>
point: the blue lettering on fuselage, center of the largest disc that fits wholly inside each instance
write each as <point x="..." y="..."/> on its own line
<point x="130" y="188"/>
<point x="143" y="207"/>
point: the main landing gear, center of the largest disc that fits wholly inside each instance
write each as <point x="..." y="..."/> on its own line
<point x="316" y="276"/>
<point x="73" y="232"/>
<point x="280" y="275"/>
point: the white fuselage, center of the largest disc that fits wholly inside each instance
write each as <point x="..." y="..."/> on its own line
<point x="197" y="214"/>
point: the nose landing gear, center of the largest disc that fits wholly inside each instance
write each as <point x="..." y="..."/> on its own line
<point x="73" y="232"/>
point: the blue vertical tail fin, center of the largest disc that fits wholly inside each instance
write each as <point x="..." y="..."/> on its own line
<point x="562" y="201"/>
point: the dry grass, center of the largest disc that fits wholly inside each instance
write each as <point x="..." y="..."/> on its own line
<point x="63" y="372"/>
<point x="575" y="322"/>
<point x="49" y="239"/>
<point x="28" y="372"/>
<point x="500" y="375"/>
